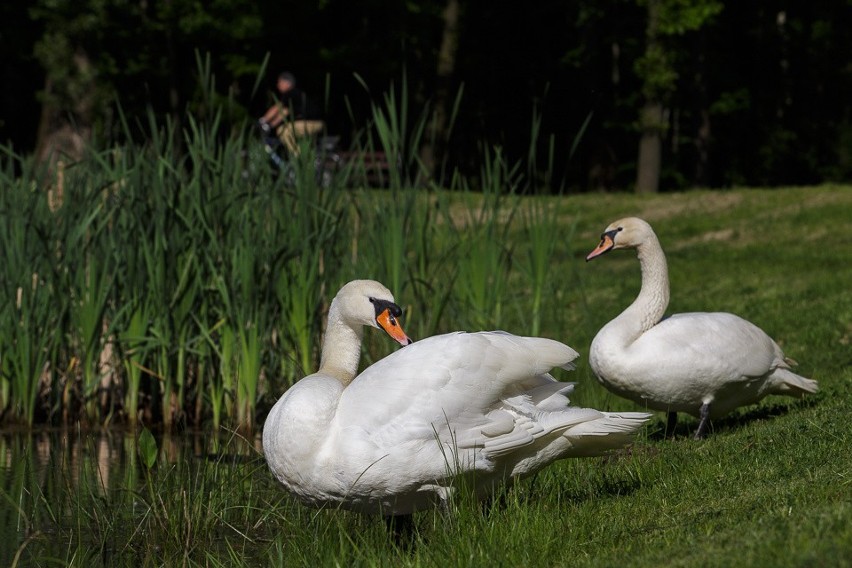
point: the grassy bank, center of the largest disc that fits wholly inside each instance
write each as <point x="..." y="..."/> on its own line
<point x="771" y="485"/>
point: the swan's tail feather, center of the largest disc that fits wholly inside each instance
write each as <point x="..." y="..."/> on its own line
<point x="789" y="383"/>
<point x="612" y="431"/>
<point x="546" y="353"/>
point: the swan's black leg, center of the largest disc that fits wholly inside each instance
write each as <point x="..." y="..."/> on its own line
<point x="671" y="424"/>
<point x="401" y="529"/>
<point x="704" y="424"/>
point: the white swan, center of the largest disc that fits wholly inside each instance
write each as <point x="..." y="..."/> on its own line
<point x="704" y="364"/>
<point x="394" y="439"/>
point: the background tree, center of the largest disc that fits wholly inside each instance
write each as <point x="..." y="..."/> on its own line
<point x="667" y="21"/>
<point x="433" y="147"/>
<point x="97" y="52"/>
<point x="755" y="93"/>
<point x="71" y="89"/>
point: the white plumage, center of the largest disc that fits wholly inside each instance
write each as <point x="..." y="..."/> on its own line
<point x="704" y="364"/>
<point x="395" y="438"/>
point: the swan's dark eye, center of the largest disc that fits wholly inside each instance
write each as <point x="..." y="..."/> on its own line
<point x="620" y="229"/>
<point x="382" y="305"/>
<point x="372" y="300"/>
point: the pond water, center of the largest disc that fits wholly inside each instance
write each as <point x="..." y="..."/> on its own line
<point x="50" y="479"/>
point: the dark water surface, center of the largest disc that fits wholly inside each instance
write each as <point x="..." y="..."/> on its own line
<point x="55" y="483"/>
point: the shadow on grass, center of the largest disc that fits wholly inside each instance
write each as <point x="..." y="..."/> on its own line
<point x="608" y="481"/>
<point x="609" y="486"/>
<point x="763" y="412"/>
<point x="686" y="424"/>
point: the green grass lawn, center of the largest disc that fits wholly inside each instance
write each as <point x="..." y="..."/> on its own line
<point x="771" y="486"/>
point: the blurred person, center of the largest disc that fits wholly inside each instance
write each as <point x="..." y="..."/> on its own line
<point x="293" y="115"/>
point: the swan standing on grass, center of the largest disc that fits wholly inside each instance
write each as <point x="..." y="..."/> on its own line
<point x="704" y="364"/>
<point x="393" y="440"/>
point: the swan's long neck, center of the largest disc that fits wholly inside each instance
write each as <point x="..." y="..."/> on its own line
<point x="650" y="305"/>
<point x="341" y="348"/>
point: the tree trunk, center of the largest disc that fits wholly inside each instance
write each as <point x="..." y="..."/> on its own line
<point x="702" y="134"/>
<point x="649" y="161"/>
<point x="650" y="148"/>
<point x="65" y="129"/>
<point x="431" y="152"/>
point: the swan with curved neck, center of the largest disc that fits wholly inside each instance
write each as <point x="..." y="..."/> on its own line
<point x="704" y="364"/>
<point x="398" y="437"/>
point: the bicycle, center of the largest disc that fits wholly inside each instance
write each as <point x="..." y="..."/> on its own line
<point x="327" y="159"/>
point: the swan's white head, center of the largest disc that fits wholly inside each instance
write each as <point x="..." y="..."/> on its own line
<point x="367" y="302"/>
<point x="630" y="232"/>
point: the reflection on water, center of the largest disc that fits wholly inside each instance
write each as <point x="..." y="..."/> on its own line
<point x="48" y="478"/>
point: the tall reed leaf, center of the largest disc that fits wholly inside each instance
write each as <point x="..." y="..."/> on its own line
<point x="133" y="340"/>
<point x="541" y="230"/>
<point x="30" y="346"/>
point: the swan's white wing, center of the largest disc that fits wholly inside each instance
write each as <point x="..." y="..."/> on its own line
<point x="464" y="389"/>
<point x="710" y="344"/>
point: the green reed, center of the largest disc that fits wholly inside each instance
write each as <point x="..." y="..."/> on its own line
<point x="240" y="356"/>
<point x="216" y="391"/>
<point x="432" y="264"/>
<point x="297" y="291"/>
<point x="185" y="281"/>
<point x="387" y="219"/>
<point x="134" y="339"/>
<point x="310" y="229"/>
<point x="542" y="229"/>
<point x="88" y="305"/>
<point x="483" y="232"/>
<point x="28" y="322"/>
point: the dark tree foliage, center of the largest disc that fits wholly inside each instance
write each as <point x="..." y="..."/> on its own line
<point x="762" y="91"/>
<point x="20" y="75"/>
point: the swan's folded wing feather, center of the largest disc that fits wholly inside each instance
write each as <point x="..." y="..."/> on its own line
<point x="717" y="344"/>
<point x="446" y="386"/>
<point x="530" y="428"/>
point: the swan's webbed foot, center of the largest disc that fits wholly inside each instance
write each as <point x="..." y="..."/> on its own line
<point x="671" y="424"/>
<point x="704" y="424"/>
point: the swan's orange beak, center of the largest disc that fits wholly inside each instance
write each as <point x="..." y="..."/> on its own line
<point x="605" y="245"/>
<point x="388" y="322"/>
